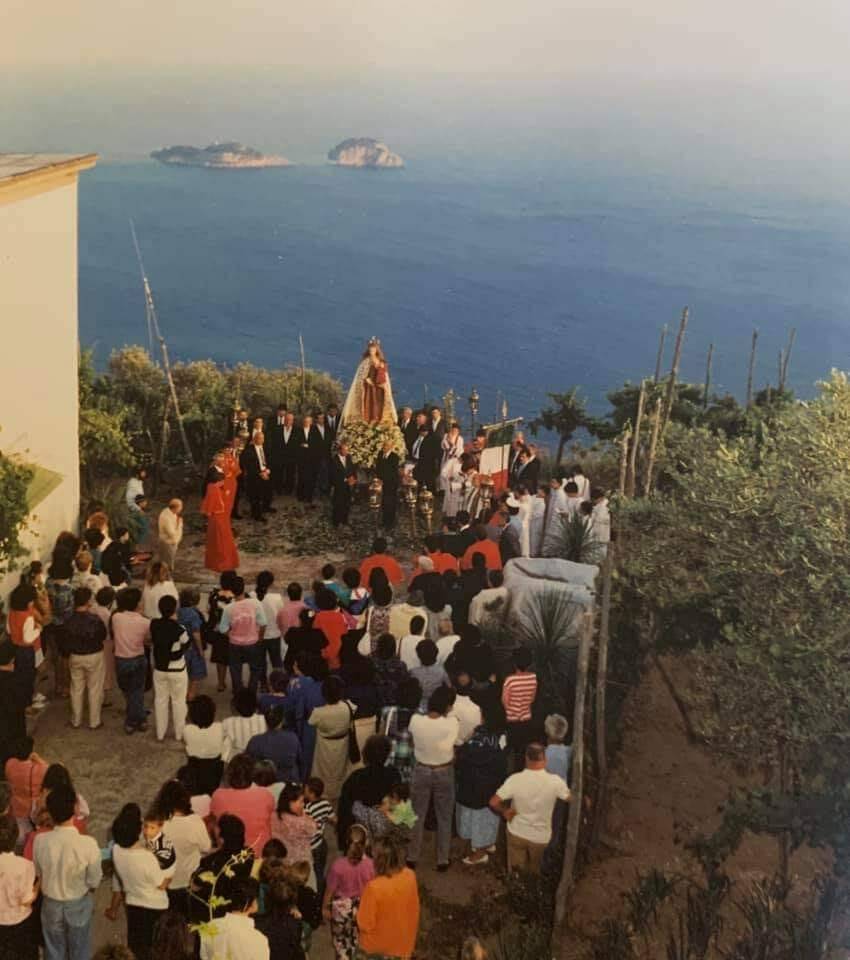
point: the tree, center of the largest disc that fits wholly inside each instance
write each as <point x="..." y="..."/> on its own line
<point x="103" y="424"/>
<point x="15" y="478"/>
<point x="566" y="415"/>
<point x="138" y="383"/>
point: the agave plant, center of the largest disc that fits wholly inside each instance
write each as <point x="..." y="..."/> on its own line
<point x="549" y="627"/>
<point x="573" y="539"/>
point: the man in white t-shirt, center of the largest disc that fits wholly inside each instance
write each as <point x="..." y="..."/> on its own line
<point x="467" y="713"/>
<point x="446" y="640"/>
<point x="526" y="801"/>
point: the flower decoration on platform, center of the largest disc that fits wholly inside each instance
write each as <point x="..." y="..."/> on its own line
<point x="366" y="440"/>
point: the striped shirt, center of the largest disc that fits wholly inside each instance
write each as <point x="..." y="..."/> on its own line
<point x="518" y="693"/>
<point x="321" y="811"/>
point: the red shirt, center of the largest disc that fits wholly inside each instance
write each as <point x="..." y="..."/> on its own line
<point x="333" y="626"/>
<point x="443" y="561"/>
<point x="390" y="566"/>
<point x="518" y="693"/>
<point x="24" y="777"/>
<point x="489" y="548"/>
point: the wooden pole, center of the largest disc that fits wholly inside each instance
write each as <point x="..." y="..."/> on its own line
<point x="707" y="376"/>
<point x="659" y="359"/>
<point x="576" y="777"/>
<point x="631" y="476"/>
<point x="751" y="369"/>
<point x="783" y="373"/>
<point x="674" y="369"/>
<point x="602" y="680"/>
<point x="653" y="446"/>
<point x="624" y="459"/>
<point x="303" y="372"/>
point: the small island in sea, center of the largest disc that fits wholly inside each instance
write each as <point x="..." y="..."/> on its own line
<point x="364" y="152"/>
<point x="219" y="156"/>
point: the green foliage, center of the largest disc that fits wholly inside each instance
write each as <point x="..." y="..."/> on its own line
<point x="15" y="478"/>
<point x="566" y="415"/>
<point x="753" y="531"/>
<point x="103" y="423"/>
<point x="687" y="405"/>
<point x="572" y="539"/>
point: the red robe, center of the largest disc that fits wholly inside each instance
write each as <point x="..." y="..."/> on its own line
<point x="221" y="553"/>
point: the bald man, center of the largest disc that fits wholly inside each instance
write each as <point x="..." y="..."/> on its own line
<point x="170" y="532"/>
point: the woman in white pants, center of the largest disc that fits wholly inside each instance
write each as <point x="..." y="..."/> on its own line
<point x="170" y="641"/>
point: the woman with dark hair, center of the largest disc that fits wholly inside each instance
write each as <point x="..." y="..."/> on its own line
<point x="18" y="890"/>
<point x="206" y="743"/>
<point x="231" y="861"/>
<point x="388" y="916"/>
<point x="219" y="598"/>
<point x="60" y="592"/>
<point x="139" y="876"/>
<point x="305" y="694"/>
<point x="333" y="721"/>
<point x="131" y="633"/>
<point x="171" y="937"/>
<point x="436" y="608"/>
<point x="116" y="559"/>
<point x="188" y="835"/>
<point x="378" y="615"/>
<point x="24" y="626"/>
<point x="395" y="724"/>
<point x="358" y="674"/>
<point x="242" y="798"/>
<point x="304" y="638"/>
<point x="390" y="670"/>
<point x="366" y="788"/>
<point x="57" y="775"/>
<point x="332" y="623"/>
<point x="278" y="745"/>
<point x="480" y="769"/>
<point x="272" y="603"/>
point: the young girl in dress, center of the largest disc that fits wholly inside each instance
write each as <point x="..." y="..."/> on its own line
<point x="294" y="828"/>
<point x="347" y="878"/>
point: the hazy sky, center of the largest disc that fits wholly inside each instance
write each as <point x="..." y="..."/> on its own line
<point x="754" y="85"/>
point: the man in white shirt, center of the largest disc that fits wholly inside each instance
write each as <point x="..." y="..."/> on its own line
<point x="492" y="603"/>
<point x="402" y="613"/>
<point x="600" y="518"/>
<point x="69" y="867"/>
<point x="170" y="527"/>
<point x="407" y="645"/>
<point x="526" y="801"/>
<point x="234" y="937"/>
<point x="446" y="641"/>
<point x="467" y="713"/>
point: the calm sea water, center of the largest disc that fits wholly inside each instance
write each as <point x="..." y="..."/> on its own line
<point x="511" y="283"/>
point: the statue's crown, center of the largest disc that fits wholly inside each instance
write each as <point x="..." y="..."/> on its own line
<point x="374" y="342"/>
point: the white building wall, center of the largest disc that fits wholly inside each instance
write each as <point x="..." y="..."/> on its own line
<point x="38" y="350"/>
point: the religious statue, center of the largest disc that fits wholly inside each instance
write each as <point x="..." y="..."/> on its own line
<point x="370" y="399"/>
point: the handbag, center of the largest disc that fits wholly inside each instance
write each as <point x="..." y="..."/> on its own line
<point x="353" y="745"/>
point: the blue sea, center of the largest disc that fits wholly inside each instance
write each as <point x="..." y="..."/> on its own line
<point x="514" y="282"/>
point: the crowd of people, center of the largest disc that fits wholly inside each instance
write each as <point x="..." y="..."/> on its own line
<point x="368" y="710"/>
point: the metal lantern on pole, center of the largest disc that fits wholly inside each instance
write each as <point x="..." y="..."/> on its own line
<point x="474" y="402"/>
<point x="376" y="490"/>
<point x="409" y="487"/>
<point x="426" y="506"/>
<point x="449" y="405"/>
<point x="486" y="487"/>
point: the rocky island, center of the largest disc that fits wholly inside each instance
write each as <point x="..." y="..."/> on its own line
<point x="219" y="156"/>
<point x="364" y="152"/>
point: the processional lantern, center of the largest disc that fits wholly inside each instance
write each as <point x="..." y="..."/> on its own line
<point x="426" y="506"/>
<point x="376" y="490"/>
<point x="486" y="487"/>
<point x="474" y="404"/>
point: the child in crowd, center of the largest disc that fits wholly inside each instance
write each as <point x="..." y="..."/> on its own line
<point x="307" y="901"/>
<point x="322" y="812"/>
<point x="347" y="878"/>
<point x="268" y="868"/>
<point x="158" y="844"/>
<point x="358" y="596"/>
<point x="294" y="828"/>
<point x="193" y="621"/>
<point x="398" y="808"/>
<point x="278" y="682"/>
<point x="558" y="756"/>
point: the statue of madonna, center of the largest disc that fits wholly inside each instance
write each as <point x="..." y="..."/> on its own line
<point x="370" y="398"/>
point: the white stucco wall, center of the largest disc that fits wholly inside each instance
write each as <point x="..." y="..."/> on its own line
<point x="38" y="350"/>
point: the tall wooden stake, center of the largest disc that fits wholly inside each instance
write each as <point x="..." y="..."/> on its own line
<point x="303" y="372"/>
<point x="653" y="446"/>
<point x="576" y="778"/>
<point x="659" y="359"/>
<point x="783" y="373"/>
<point x="631" y="476"/>
<point x="707" y="376"/>
<point x="674" y="369"/>
<point x="624" y="459"/>
<point x="751" y="369"/>
<point x="602" y="683"/>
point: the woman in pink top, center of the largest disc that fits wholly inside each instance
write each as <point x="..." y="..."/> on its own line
<point x="346" y="881"/>
<point x="18" y="890"/>
<point x="244" y="799"/>
<point x="25" y="772"/>
<point x="294" y="828"/>
<point x="130" y="632"/>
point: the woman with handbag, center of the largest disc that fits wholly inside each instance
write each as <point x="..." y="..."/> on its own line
<point x="336" y="739"/>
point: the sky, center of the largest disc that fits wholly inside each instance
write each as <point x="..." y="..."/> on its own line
<point x="756" y="89"/>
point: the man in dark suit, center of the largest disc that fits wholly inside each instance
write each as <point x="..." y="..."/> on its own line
<point x="321" y="440"/>
<point x="408" y="427"/>
<point x="437" y="424"/>
<point x="257" y="478"/>
<point x="343" y="478"/>
<point x="386" y="469"/>
<point x="275" y="446"/>
<point x="288" y="455"/>
<point x="527" y="472"/>
<point x="426" y="455"/>
<point x="332" y="422"/>
<point x="458" y="543"/>
<point x="308" y="460"/>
